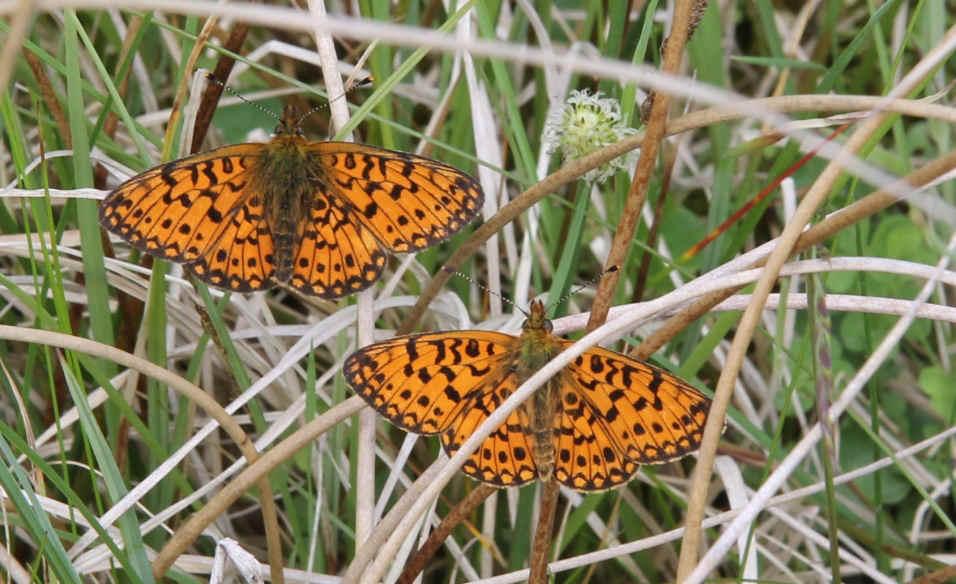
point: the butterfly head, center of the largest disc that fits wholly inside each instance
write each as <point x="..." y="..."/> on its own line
<point x="537" y="320"/>
<point x="290" y="124"/>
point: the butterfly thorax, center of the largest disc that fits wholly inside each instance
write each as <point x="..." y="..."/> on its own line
<point x="287" y="175"/>
<point x="537" y="346"/>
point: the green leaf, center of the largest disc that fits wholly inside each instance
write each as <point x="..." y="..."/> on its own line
<point x="940" y="386"/>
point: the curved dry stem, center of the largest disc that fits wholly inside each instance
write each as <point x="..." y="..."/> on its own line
<point x="164" y="376"/>
<point x="251" y="476"/>
<point x="397" y="516"/>
<point x="416" y="564"/>
<point x="830" y="226"/>
<point x="575" y="169"/>
<point x="751" y="317"/>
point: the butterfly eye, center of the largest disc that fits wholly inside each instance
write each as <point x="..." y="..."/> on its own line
<point x="284" y="128"/>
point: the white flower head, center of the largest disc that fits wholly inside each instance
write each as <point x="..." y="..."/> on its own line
<point x="584" y="124"/>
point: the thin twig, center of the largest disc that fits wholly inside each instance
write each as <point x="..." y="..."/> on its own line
<point x="417" y="563"/>
<point x="213" y="91"/>
<point x="547" y="507"/>
<point x="653" y="136"/>
<point x="670" y="158"/>
<point x="865" y="207"/>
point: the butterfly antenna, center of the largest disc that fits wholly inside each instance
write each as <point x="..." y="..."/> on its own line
<point x="490" y="291"/>
<point x="242" y="98"/>
<point x="590" y="282"/>
<point x="351" y="85"/>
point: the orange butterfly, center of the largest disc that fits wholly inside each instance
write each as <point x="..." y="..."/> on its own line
<point x="318" y="215"/>
<point x="589" y="426"/>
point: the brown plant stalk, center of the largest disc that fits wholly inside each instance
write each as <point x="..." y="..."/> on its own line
<point x="419" y="561"/>
<point x="653" y="135"/>
<point x="213" y="91"/>
<point x="541" y="544"/>
<point x="670" y="159"/>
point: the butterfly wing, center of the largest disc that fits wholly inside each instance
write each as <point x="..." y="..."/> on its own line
<point x="617" y="413"/>
<point x="504" y="458"/>
<point x="448" y="383"/>
<point x="199" y="211"/>
<point x="336" y="255"/>
<point x="408" y="202"/>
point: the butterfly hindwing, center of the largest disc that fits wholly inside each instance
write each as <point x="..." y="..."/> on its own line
<point x="408" y="202"/>
<point x="648" y="415"/>
<point x="587" y="458"/>
<point x="505" y="457"/>
<point x="241" y="257"/>
<point x="336" y="256"/>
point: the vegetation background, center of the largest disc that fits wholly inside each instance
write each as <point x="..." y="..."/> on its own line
<point x="108" y="448"/>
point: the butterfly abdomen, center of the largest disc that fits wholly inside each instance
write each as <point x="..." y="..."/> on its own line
<point x="288" y="182"/>
<point x="544" y="410"/>
<point x="538" y="346"/>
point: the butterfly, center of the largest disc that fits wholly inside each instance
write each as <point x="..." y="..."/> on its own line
<point x="589" y="427"/>
<point x="319" y="216"/>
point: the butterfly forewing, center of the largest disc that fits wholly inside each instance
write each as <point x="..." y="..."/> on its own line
<point x="408" y="202"/>
<point x="422" y="382"/>
<point x="178" y="210"/>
